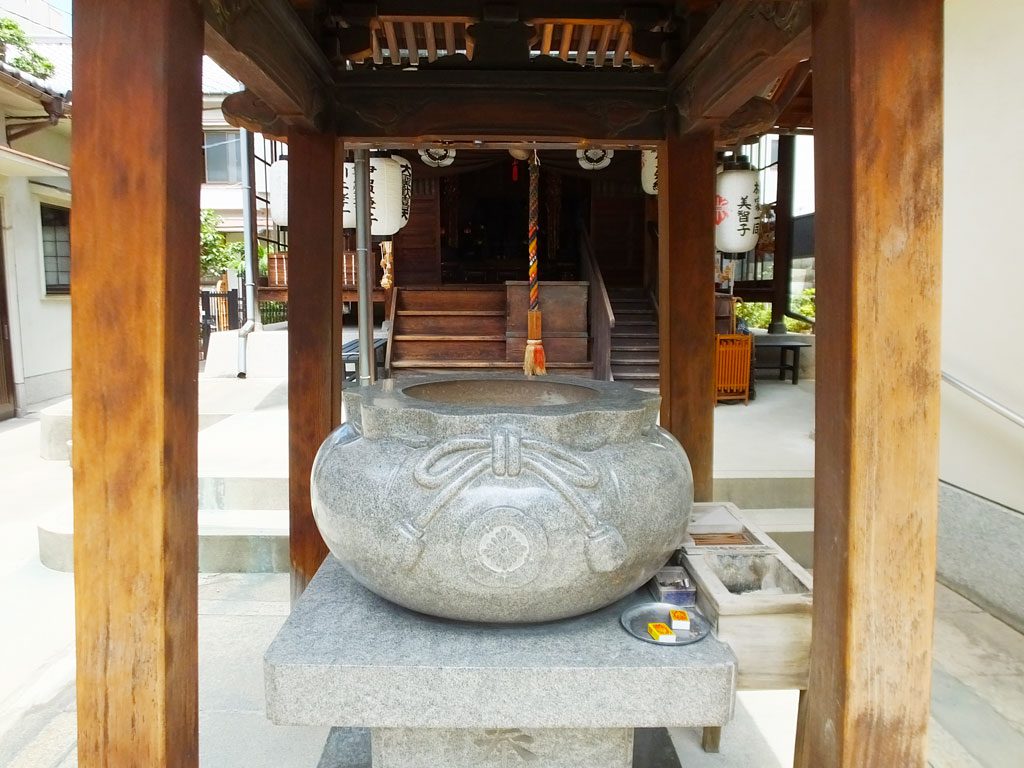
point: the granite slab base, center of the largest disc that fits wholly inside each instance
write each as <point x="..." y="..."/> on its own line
<point x="352" y="748"/>
<point x="446" y="693"/>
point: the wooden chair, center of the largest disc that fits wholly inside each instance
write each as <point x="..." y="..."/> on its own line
<point x="732" y="366"/>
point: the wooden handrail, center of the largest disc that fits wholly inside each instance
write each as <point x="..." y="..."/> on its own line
<point x="599" y="308"/>
<point x="391" y="331"/>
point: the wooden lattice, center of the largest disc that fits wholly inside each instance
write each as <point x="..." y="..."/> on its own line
<point x="732" y="366"/>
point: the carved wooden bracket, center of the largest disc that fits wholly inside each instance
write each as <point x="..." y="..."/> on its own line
<point x="245" y="110"/>
<point x="265" y="45"/>
<point x="740" y="51"/>
<point x="754" y="118"/>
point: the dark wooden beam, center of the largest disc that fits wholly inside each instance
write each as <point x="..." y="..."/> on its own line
<point x="739" y="52"/>
<point x="878" y="135"/>
<point x="314" y="333"/>
<point x="138" y="110"/>
<point x="265" y="45"/>
<point x="686" y="299"/>
<point x="466" y="104"/>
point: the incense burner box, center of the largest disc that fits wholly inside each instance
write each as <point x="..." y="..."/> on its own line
<point x="502" y="499"/>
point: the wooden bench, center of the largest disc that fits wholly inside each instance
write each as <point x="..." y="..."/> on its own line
<point x="350" y="355"/>
<point x="787" y="348"/>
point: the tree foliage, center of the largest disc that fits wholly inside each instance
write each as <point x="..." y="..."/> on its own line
<point x="16" y="49"/>
<point x="215" y="253"/>
<point x="759" y="314"/>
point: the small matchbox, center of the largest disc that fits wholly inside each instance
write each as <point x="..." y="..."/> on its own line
<point x="680" y="620"/>
<point x="661" y="632"/>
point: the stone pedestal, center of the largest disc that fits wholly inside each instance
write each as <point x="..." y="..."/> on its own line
<point x="451" y="694"/>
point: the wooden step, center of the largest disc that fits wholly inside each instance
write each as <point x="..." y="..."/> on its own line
<point x="439" y="298"/>
<point x="629" y="334"/>
<point x="446" y="337"/>
<point x="638" y="360"/>
<point x="633" y="376"/>
<point x="502" y="364"/>
<point x="630" y="303"/>
<point x="647" y="370"/>
<point x="633" y="346"/>
<point x="646" y="312"/>
<point x="424" y="347"/>
<point x="627" y="325"/>
<point x="449" y="322"/>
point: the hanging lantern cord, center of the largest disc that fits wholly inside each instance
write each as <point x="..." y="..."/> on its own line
<point x="533" y="360"/>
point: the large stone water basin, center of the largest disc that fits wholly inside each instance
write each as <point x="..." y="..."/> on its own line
<point x="501" y="498"/>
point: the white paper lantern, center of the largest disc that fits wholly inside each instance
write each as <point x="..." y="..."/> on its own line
<point x="737" y="208"/>
<point x="438" y="157"/>
<point x="649" y="171"/>
<point x="277" y="191"/>
<point x="594" y="159"/>
<point x="406" y="167"/>
<point x="385" y="196"/>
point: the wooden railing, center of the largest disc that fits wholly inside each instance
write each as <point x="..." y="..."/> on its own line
<point x="599" y="307"/>
<point x="391" y="332"/>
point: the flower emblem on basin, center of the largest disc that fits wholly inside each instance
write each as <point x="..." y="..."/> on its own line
<point x="504" y="547"/>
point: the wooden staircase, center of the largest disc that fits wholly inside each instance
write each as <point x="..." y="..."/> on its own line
<point x="635" y="338"/>
<point x="455" y="328"/>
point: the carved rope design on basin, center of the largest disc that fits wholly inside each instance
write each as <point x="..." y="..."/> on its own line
<point x="506" y="454"/>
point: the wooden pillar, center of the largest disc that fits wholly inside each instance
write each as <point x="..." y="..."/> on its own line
<point x="686" y="299"/>
<point x="782" y="266"/>
<point x="135" y="219"/>
<point x="314" y="334"/>
<point x="878" y="151"/>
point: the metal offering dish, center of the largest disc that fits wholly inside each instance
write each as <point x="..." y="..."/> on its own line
<point x="635" y="621"/>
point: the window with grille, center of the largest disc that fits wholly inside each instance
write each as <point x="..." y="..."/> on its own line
<point x="56" y="228"/>
<point x="222" y="151"/>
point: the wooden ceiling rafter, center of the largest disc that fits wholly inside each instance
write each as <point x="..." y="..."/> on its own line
<point x="580" y="40"/>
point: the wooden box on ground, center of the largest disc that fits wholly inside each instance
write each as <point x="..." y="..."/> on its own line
<point x="757" y="598"/>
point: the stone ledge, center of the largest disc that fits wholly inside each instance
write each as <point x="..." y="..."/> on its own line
<point x="347" y="657"/>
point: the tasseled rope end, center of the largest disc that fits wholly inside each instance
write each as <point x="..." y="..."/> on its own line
<point x="533" y="361"/>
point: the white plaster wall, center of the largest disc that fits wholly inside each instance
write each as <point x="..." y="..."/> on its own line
<point x="983" y="253"/>
<point x="40" y="324"/>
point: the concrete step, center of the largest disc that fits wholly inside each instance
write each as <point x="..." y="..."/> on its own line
<point x="229" y="492"/>
<point x="766" y="490"/>
<point x="230" y="541"/>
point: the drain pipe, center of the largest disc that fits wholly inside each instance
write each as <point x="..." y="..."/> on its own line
<point x="252" y="259"/>
<point x="364" y="272"/>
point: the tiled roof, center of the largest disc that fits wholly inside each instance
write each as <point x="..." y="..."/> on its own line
<point x="58" y="51"/>
<point x="216" y="80"/>
<point x="40" y="85"/>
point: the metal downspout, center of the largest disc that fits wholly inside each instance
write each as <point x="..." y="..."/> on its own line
<point x="364" y="272"/>
<point x="252" y="261"/>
